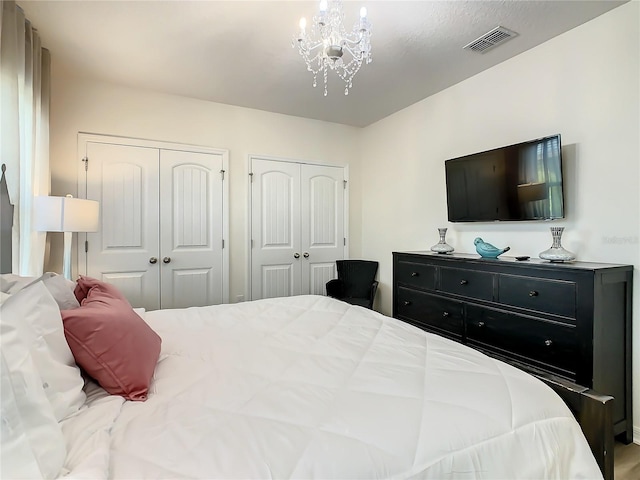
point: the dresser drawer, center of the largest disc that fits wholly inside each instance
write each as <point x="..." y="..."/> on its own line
<point x="551" y="296"/>
<point x="550" y="345"/>
<point x="416" y="275"/>
<point x="430" y="311"/>
<point x="468" y="283"/>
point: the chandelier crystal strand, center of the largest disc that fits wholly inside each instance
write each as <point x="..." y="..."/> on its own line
<point x="327" y="44"/>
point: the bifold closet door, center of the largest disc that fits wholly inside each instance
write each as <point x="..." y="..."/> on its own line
<point x="297" y="227"/>
<point x="124" y="252"/>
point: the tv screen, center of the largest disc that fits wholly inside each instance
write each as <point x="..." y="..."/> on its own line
<point x="518" y="182"/>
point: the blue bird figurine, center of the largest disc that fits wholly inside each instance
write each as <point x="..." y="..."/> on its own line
<point x="487" y="250"/>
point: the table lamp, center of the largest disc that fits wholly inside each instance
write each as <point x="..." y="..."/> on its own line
<point x="68" y="215"/>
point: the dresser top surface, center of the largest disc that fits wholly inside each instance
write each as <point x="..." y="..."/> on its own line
<point x="502" y="260"/>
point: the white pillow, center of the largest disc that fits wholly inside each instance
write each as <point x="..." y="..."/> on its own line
<point x="10" y="283"/>
<point x="3" y="297"/>
<point x="34" y="315"/>
<point x="31" y="421"/>
<point x="18" y="460"/>
<point x="61" y="290"/>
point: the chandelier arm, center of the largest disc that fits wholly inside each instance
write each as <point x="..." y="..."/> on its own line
<point x="306" y="48"/>
<point x="354" y="53"/>
<point x="359" y="38"/>
<point x="309" y="55"/>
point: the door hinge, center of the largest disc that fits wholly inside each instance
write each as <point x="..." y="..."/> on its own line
<point x="222" y="174"/>
<point x="86" y="163"/>
<point x="344" y="184"/>
<point x="86" y="246"/>
<point x="251" y="176"/>
<point x="344" y="241"/>
<point x="223" y="243"/>
<point x="252" y="243"/>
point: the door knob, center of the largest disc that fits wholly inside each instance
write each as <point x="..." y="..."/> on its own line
<point x="153" y="260"/>
<point x="166" y="259"/>
<point x="296" y="255"/>
<point x="305" y="254"/>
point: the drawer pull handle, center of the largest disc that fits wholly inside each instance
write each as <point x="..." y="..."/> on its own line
<point x="463" y="282"/>
<point x="445" y="314"/>
<point x="480" y="324"/>
<point x="533" y="293"/>
<point x="407" y="303"/>
<point x="548" y="343"/>
<point x="415" y="274"/>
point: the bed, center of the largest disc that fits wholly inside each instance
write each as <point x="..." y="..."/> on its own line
<point x="297" y="387"/>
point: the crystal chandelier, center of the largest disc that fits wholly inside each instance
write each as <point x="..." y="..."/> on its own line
<point x="328" y="45"/>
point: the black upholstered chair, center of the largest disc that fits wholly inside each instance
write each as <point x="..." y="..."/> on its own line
<point x="356" y="283"/>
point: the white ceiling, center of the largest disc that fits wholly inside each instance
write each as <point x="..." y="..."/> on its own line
<point x="239" y="52"/>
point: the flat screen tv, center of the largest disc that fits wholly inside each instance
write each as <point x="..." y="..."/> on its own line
<point x="517" y="182"/>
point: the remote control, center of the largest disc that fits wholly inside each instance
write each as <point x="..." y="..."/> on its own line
<point x="524" y="257"/>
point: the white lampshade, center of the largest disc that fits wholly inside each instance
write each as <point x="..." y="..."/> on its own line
<point x="66" y="214"/>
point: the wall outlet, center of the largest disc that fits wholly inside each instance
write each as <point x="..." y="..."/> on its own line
<point x="239" y="298"/>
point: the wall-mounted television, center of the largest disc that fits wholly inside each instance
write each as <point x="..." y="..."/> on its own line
<point x="516" y="182"/>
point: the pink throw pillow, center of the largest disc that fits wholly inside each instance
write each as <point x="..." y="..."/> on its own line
<point x="85" y="284"/>
<point x="110" y="341"/>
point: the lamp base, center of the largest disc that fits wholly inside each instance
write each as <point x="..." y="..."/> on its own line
<point x="66" y="259"/>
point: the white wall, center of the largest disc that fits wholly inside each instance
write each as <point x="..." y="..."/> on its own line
<point x="584" y="85"/>
<point x="81" y="105"/>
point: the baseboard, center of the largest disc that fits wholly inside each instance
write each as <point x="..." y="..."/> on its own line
<point x="636" y="435"/>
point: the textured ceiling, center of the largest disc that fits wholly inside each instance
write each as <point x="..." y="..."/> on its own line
<point x="239" y="52"/>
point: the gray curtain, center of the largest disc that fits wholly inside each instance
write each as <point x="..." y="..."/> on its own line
<point x="24" y="131"/>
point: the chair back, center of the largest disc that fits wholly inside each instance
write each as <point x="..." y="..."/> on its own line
<point x="357" y="275"/>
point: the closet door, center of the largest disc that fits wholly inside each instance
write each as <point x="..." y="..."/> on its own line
<point x="124" y="179"/>
<point x="190" y="229"/>
<point x="297" y="227"/>
<point x="321" y="225"/>
<point x="275" y="229"/>
<point x="163" y="214"/>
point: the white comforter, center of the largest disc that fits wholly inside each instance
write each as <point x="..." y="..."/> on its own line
<point x="310" y="387"/>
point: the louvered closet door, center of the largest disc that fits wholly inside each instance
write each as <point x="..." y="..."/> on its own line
<point x="124" y="180"/>
<point x="191" y="229"/>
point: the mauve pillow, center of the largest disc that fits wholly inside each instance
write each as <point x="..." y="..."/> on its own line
<point x="85" y="284"/>
<point x="110" y="341"/>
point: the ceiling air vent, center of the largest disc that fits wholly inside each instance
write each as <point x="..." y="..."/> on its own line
<point x="490" y="39"/>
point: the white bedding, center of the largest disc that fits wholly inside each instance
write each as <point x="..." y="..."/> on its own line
<point x="310" y="387"/>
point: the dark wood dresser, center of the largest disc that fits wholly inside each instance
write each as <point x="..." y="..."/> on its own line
<point x="569" y="322"/>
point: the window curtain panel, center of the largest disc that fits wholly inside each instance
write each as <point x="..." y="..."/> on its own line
<point x="24" y="131"/>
